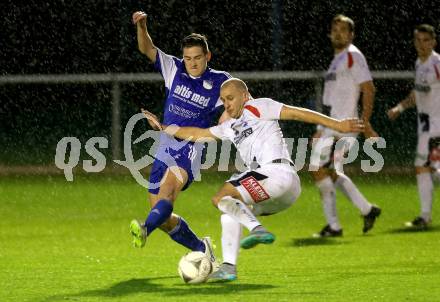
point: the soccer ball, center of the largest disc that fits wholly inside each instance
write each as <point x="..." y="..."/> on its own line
<point x="194" y="267"/>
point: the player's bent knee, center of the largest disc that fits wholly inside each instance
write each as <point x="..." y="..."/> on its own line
<point x="320" y="174"/>
<point x="334" y="175"/>
<point x="224" y="202"/>
<point x="170" y="223"/>
<point x="216" y="199"/>
<point x="421" y="170"/>
<point x="169" y="193"/>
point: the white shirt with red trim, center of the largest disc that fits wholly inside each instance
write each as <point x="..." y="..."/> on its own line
<point x="342" y="83"/>
<point x="427" y="92"/>
<point x="256" y="133"/>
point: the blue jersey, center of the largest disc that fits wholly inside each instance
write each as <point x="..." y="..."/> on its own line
<point x="189" y="101"/>
<point x="192" y="102"/>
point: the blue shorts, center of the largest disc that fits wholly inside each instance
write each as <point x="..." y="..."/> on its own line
<point x="188" y="158"/>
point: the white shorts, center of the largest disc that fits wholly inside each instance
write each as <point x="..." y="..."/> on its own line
<point x="329" y="151"/>
<point x="428" y="153"/>
<point x="269" y="189"/>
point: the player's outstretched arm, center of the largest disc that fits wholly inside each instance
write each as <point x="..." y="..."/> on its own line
<point x="409" y="102"/>
<point x="145" y="43"/>
<point x="189" y="133"/>
<point x="313" y="117"/>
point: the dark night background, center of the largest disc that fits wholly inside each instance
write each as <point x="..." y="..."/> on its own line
<point x="57" y="37"/>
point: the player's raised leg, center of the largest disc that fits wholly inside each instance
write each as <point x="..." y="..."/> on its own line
<point x="162" y="216"/>
<point x="161" y="210"/>
<point x="229" y="201"/>
<point x="162" y="204"/>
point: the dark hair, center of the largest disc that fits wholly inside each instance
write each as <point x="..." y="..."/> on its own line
<point x="426" y="28"/>
<point x="196" y="40"/>
<point x="345" y="19"/>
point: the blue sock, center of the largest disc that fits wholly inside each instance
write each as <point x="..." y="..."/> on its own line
<point x="183" y="235"/>
<point x="158" y="215"/>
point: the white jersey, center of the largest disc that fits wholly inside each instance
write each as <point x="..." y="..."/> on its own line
<point x="256" y="133"/>
<point x="342" y="83"/>
<point x="427" y="92"/>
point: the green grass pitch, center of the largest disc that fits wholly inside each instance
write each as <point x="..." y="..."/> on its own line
<point x="62" y="241"/>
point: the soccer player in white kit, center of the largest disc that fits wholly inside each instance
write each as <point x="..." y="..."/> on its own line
<point x="347" y="77"/>
<point x="271" y="184"/>
<point x="426" y="96"/>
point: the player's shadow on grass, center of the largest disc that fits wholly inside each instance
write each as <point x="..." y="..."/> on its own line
<point x="403" y="230"/>
<point x="139" y="286"/>
<point x="302" y="242"/>
<point x="123" y="288"/>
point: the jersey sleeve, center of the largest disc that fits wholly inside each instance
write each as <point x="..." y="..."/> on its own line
<point x="360" y="71"/>
<point x="167" y="66"/>
<point x="266" y="109"/>
<point x="436" y="66"/>
<point x="220" y="130"/>
<point x="435" y="84"/>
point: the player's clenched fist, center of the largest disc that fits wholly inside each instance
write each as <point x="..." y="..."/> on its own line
<point x="140" y="18"/>
<point x="152" y="119"/>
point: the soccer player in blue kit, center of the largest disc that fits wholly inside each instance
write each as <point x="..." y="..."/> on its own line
<point x="192" y="99"/>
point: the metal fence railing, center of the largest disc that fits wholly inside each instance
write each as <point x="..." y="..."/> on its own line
<point x="115" y="79"/>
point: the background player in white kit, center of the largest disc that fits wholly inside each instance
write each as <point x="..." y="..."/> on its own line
<point x="426" y="95"/>
<point x="270" y="187"/>
<point x="347" y="77"/>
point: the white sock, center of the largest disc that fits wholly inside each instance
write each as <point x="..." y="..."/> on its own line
<point x="231" y="233"/>
<point x="349" y="189"/>
<point x="328" y="197"/>
<point x="238" y="211"/>
<point x="425" y="186"/>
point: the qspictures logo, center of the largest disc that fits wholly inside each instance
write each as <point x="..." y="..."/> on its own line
<point x="326" y="151"/>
